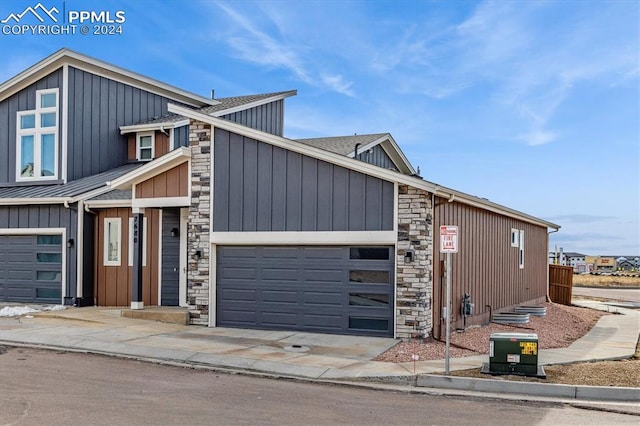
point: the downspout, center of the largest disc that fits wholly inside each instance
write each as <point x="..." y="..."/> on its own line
<point x="548" y="296"/>
<point x="80" y="253"/>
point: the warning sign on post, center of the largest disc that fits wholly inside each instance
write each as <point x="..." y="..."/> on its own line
<point x="448" y="239"/>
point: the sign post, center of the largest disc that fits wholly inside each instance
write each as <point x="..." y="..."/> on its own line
<point x="448" y="245"/>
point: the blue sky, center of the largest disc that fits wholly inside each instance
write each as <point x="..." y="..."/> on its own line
<point x="532" y="104"/>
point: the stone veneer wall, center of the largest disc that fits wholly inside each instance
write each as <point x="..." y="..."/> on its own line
<point x="415" y="279"/>
<point x="199" y="223"/>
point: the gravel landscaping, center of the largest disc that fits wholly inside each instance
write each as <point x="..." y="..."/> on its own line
<point x="558" y="329"/>
<point x="561" y="326"/>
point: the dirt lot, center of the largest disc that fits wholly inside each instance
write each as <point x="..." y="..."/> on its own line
<point x="606" y="280"/>
<point x="561" y="326"/>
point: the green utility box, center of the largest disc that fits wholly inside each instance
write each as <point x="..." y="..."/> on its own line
<point x="514" y="353"/>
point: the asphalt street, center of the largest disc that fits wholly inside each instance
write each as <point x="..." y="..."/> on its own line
<point x="621" y="294"/>
<point x="54" y="387"/>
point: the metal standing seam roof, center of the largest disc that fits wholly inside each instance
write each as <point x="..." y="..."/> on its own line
<point x="116" y="194"/>
<point x="70" y="189"/>
<point x="343" y="145"/>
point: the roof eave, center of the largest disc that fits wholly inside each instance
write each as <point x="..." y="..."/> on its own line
<point x="152" y="126"/>
<point x="453" y="195"/>
<point x="256" y="103"/>
<point x="87" y="63"/>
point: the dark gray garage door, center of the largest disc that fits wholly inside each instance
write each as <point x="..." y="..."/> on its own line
<point x="31" y="268"/>
<point x="342" y="290"/>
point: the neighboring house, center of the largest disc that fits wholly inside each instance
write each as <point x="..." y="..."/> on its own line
<point x="114" y="182"/>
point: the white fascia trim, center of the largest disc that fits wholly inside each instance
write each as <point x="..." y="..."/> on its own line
<point x="105" y="204"/>
<point x="152" y="126"/>
<point x="309" y="151"/>
<point x="29" y="201"/>
<point x="369" y="145"/>
<point x="34" y="231"/>
<point x="161" y="202"/>
<point x="460" y="197"/>
<point x="80" y="250"/>
<point x="98" y="67"/>
<point x="254" y="104"/>
<point x="152" y="168"/>
<point x="304" y="238"/>
<point x="65" y="119"/>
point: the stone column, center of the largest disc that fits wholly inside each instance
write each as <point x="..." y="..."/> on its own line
<point x="414" y="278"/>
<point x="198" y="244"/>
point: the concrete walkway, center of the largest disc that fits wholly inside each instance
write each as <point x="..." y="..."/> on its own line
<point x="313" y="356"/>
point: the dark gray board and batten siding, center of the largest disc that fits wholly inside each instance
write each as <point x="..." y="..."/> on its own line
<point x="268" y="118"/>
<point x="48" y="216"/>
<point x="377" y="157"/>
<point x="98" y="106"/>
<point x="181" y="136"/>
<point x="260" y="187"/>
<point x="24" y="100"/>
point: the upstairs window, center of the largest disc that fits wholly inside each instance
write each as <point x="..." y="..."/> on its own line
<point x="37" y="139"/>
<point x="144" y="146"/>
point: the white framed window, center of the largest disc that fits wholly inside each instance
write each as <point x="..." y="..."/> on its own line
<point x="144" y="241"/>
<point x="515" y="237"/>
<point x="37" y="139"/>
<point x="112" y="241"/>
<point x="145" y="142"/>
<point x="521" y="249"/>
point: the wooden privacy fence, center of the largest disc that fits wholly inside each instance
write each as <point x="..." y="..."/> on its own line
<point x="560" y="284"/>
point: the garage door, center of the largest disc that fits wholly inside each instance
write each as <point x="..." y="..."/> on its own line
<point x="31" y="268"/>
<point x="342" y="290"/>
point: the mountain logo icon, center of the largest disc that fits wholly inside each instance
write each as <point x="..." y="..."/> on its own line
<point x="38" y="11"/>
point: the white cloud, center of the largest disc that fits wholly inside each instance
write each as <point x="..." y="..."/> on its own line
<point x="539" y="137"/>
<point x="337" y="83"/>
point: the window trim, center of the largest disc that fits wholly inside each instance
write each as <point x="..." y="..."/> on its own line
<point x="521" y="249"/>
<point x="141" y="135"/>
<point x="37" y="132"/>
<point x="515" y="237"/>
<point x="144" y="242"/>
<point x="105" y="246"/>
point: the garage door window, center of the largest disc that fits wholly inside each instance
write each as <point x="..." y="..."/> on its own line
<point x="365" y="299"/>
<point x="369" y="253"/>
<point x="49" y="257"/>
<point x="49" y="240"/>
<point x="48" y="275"/>
<point x="368" y="324"/>
<point x="370" y="277"/>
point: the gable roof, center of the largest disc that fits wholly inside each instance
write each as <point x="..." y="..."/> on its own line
<point x="346" y="145"/>
<point x="359" y="166"/>
<point x="66" y="56"/>
<point x="225" y="106"/>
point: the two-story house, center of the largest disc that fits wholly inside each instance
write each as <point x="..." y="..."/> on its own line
<point x="120" y="190"/>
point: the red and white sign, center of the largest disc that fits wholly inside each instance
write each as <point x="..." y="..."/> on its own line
<point x="448" y="239"/>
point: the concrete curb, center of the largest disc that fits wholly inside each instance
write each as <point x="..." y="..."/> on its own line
<point x="552" y="390"/>
<point x="454" y="385"/>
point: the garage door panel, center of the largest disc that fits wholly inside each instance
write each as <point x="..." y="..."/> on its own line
<point x="280" y="274"/>
<point x="239" y="273"/>
<point x="325" y="322"/>
<point x="323" y="298"/>
<point x="239" y="294"/>
<point x="276" y="318"/>
<point x="306" y="288"/>
<point x="279" y="296"/>
<point x="239" y="317"/>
